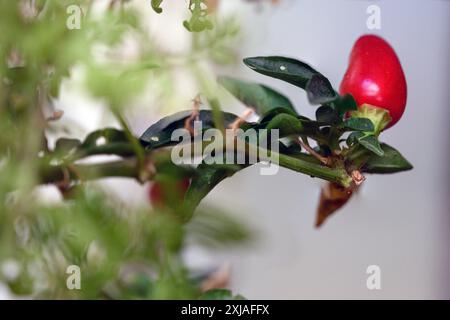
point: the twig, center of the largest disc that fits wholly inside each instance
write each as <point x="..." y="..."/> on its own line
<point x="241" y="119"/>
<point x="304" y="143"/>
<point x="194" y="115"/>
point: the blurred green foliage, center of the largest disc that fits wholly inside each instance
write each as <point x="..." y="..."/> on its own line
<point x="122" y="253"/>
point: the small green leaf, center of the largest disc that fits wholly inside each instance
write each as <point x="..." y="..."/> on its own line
<point x="319" y="90"/>
<point x="257" y="96"/>
<point x="156" y="5"/>
<point x="391" y="162"/>
<point x="370" y="142"/>
<point x="359" y="124"/>
<point x="328" y="115"/>
<point x="354" y="137"/>
<point x="343" y="104"/>
<point x="287" y="69"/>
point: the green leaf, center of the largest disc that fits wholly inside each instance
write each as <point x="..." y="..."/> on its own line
<point x="354" y="137"/>
<point x="108" y="134"/>
<point x="272" y="113"/>
<point x="359" y="124"/>
<point x="391" y="162"/>
<point x="66" y="145"/>
<point x="370" y="142"/>
<point x="160" y="133"/>
<point x="287" y="69"/>
<point x="320" y="90"/>
<point x="326" y="114"/>
<point x="343" y="104"/>
<point x="215" y="229"/>
<point x="206" y="178"/>
<point x="257" y="96"/>
<point x="156" y="5"/>
<point x="199" y="17"/>
<point x="220" y="294"/>
<point x="287" y="124"/>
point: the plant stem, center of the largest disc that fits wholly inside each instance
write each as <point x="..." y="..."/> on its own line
<point x="124" y="168"/>
<point x="338" y="175"/>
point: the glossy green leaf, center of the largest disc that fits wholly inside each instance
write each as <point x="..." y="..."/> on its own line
<point x="286" y="124"/>
<point x="206" y="178"/>
<point x="272" y="113"/>
<point x="391" y="162"/>
<point x="320" y="90"/>
<point x="344" y="103"/>
<point x="328" y="115"/>
<point x="108" y="135"/>
<point x="257" y="96"/>
<point x="287" y="69"/>
<point x="359" y="124"/>
<point x="353" y="137"/>
<point x="370" y="142"/>
<point x="160" y="133"/>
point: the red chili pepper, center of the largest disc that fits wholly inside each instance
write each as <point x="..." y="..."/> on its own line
<point x="375" y="76"/>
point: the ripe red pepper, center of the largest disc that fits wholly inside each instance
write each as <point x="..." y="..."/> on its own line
<point x="162" y="194"/>
<point x="375" y="76"/>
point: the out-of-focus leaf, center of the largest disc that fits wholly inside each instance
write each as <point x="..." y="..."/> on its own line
<point x="66" y="145"/>
<point x="217" y="229"/>
<point x="257" y="96"/>
<point x="156" y="5"/>
<point x="220" y="294"/>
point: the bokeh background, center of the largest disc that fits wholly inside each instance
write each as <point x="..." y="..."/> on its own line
<point x="399" y="222"/>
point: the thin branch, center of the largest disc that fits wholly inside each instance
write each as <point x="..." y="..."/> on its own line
<point x="304" y="143"/>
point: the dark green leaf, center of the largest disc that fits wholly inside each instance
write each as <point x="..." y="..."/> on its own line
<point x="343" y="104"/>
<point x="319" y="90"/>
<point x="108" y="134"/>
<point x="206" y="178"/>
<point x="391" y="162"/>
<point x="65" y="145"/>
<point x="286" y="69"/>
<point x="328" y="115"/>
<point x="371" y="143"/>
<point x="272" y="113"/>
<point x="287" y="124"/>
<point x="257" y="96"/>
<point x="160" y="133"/>
<point x="354" y="137"/>
<point x="359" y="124"/>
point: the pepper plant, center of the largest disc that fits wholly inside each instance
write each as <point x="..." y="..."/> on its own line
<point x="138" y="253"/>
